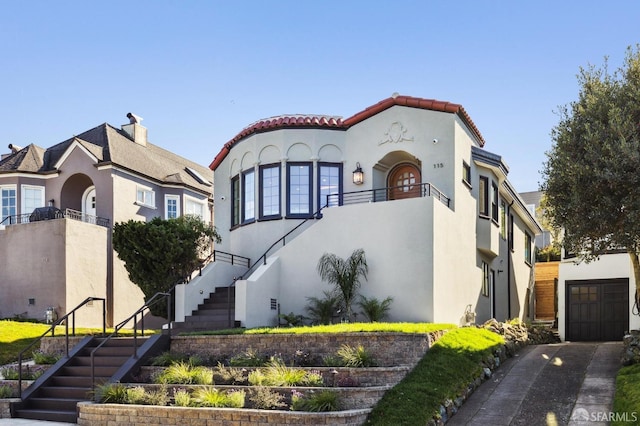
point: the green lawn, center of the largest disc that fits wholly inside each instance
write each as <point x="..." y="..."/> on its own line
<point x="17" y="335"/>
<point x="626" y="404"/>
<point x="354" y="327"/>
<point x="448" y="367"/>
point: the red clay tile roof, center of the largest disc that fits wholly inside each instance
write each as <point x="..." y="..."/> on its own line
<point x="310" y="121"/>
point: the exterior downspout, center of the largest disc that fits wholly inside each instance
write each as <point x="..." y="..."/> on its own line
<point x="509" y="243"/>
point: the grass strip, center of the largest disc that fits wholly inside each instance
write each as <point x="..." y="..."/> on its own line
<point x="17" y="335"/>
<point x="626" y="404"/>
<point x="358" y="327"/>
<point x="443" y="373"/>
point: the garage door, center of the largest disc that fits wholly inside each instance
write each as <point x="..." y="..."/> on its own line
<point x="597" y="310"/>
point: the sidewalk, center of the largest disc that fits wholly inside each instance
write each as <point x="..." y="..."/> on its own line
<point x="558" y="384"/>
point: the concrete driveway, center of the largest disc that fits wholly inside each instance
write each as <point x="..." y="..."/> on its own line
<point x="555" y="384"/>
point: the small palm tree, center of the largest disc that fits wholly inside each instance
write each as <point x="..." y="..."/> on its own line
<point x="321" y="311"/>
<point x="345" y="275"/>
<point x="374" y="309"/>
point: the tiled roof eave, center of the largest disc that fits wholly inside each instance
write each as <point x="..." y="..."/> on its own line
<point x="339" y="124"/>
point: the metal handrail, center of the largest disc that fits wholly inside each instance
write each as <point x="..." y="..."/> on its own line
<point x="147" y="305"/>
<point x="51" y="329"/>
<point x="263" y="258"/>
<point x="382" y="194"/>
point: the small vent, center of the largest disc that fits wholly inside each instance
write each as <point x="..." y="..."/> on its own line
<point x="274" y="304"/>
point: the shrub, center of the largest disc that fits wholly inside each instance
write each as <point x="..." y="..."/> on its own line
<point x="6" y="392"/>
<point x="136" y="395"/>
<point x="292" y="320"/>
<point x="40" y="357"/>
<point x="115" y="393"/>
<point x="321" y="401"/>
<point x="28" y="373"/>
<point x="211" y="397"/>
<point x="263" y="398"/>
<point x="375" y="310"/>
<point x="182" y="398"/>
<point x="158" y="396"/>
<point x="321" y="311"/>
<point x="250" y="358"/>
<point x="229" y="375"/>
<point x="276" y="373"/>
<point x="184" y="373"/>
<point x="355" y="357"/>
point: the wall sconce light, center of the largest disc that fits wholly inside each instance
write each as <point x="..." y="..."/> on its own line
<point x="358" y="175"/>
<point x="51" y="201"/>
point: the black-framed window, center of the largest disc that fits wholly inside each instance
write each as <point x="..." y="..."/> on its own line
<point x="329" y="182"/>
<point x="299" y="189"/>
<point x="248" y="196"/>
<point x="235" y="201"/>
<point x="511" y="232"/>
<point x="503" y="220"/>
<point x="494" y="201"/>
<point x="527" y="248"/>
<point x="270" y="191"/>
<point x="466" y="173"/>
<point x="483" y="196"/>
<point x="485" y="279"/>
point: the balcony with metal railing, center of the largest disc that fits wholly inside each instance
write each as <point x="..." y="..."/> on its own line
<point x="52" y="213"/>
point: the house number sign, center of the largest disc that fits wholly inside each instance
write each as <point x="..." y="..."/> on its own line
<point x="438" y="165"/>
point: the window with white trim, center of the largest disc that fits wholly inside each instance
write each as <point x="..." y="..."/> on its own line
<point x="485" y="279"/>
<point x="194" y="207"/>
<point x="32" y="198"/>
<point x="483" y="196"/>
<point x="235" y="201"/>
<point x="248" y="196"/>
<point x="270" y="191"/>
<point x="171" y="206"/>
<point x="299" y="194"/>
<point x="145" y="196"/>
<point x="527" y="248"/>
<point x="7" y="201"/>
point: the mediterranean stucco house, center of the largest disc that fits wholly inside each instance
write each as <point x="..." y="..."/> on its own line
<point x="408" y="180"/>
<point x="89" y="182"/>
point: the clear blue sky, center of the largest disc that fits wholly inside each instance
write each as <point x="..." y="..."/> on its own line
<point x="200" y="71"/>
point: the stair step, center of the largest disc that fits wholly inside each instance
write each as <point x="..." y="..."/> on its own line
<point x="98" y="360"/>
<point x="108" y="351"/>
<point x="221" y="306"/>
<point x="53" y="404"/>
<point x="76" y="381"/>
<point x="210" y="317"/>
<point x="72" y="392"/>
<point x="49" y="415"/>
<point x="85" y="371"/>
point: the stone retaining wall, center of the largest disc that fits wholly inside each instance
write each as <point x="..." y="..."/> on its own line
<point x="631" y="353"/>
<point x="5" y="407"/>
<point x="388" y="349"/>
<point x="91" y="414"/>
<point x="333" y="376"/>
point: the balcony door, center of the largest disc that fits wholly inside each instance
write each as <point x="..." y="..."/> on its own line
<point x="404" y="182"/>
<point x="89" y="202"/>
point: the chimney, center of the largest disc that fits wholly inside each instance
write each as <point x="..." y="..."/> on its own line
<point x="14" y="148"/>
<point x="135" y="130"/>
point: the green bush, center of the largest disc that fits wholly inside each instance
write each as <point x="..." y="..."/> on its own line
<point x="355" y="357"/>
<point x="182" y="398"/>
<point x="250" y="358"/>
<point x="114" y="393"/>
<point x="375" y="310"/>
<point x="211" y="397"/>
<point x="321" y="311"/>
<point x="183" y="373"/>
<point x="6" y="392"/>
<point x="229" y="375"/>
<point x="40" y="357"/>
<point x="28" y="373"/>
<point x="276" y="373"/>
<point x="321" y="401"/>
<point x="263" y="398"/>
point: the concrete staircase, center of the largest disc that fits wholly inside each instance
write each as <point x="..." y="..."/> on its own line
<point x="53" y="397"/>
<point x="213" y="313"/>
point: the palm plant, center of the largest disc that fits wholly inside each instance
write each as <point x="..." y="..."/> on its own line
<point x="374" y="309"/>
<point x="321" y="311"/>
<point x="345" y="275"/>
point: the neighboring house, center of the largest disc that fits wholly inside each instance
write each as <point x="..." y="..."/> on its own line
<point x="444" y="232"/>
<point x="532" y="201"/>
<point x="88" y="182"/>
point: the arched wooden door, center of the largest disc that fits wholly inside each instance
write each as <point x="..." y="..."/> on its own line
<point x="404" y="182"/>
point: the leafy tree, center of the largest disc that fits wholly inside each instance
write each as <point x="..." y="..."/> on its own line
<point x="345" y="275"/>
<point x="592" y="179"/>
<point x="159" y="253"/>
